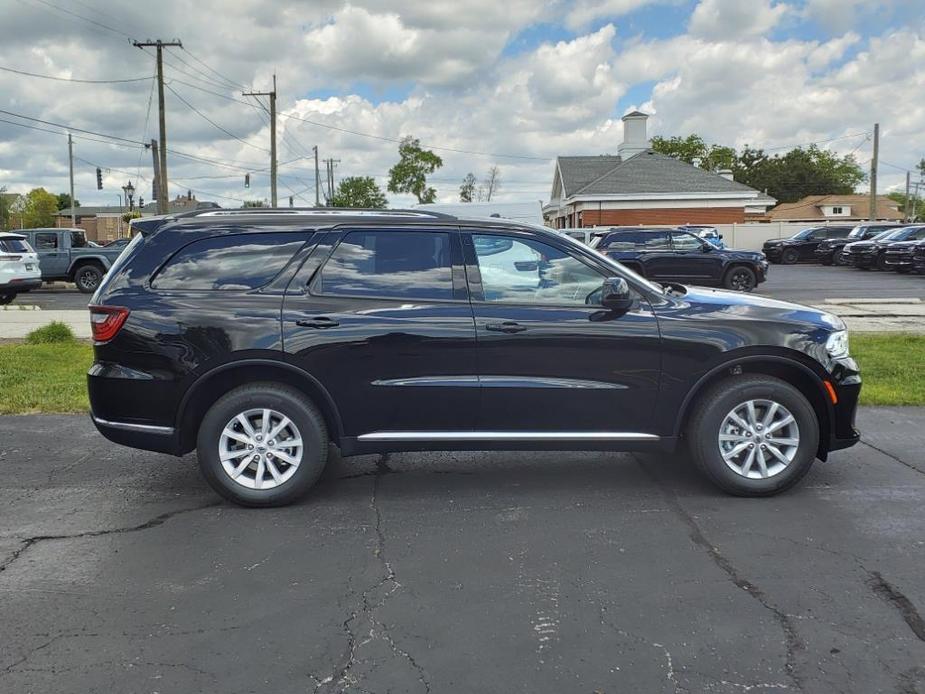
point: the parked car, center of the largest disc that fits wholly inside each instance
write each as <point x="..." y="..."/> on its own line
<point x="918" y="259"/>
<point x="829" y="252"/>
<point x="706" y="232"/>
<point x="900" y="256"/>
<point x="872" y="254"/>
<point x="803" y="244"/>
<point x="19" y="267"/>
<point x="117" y="243"/>
<point x="65" y="254"/>
<point x="259" y="337"/>
<point x="673" y="255"/>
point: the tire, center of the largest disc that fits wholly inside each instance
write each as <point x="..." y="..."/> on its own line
<point x="904" y="270"/>
<point x="88" y="278"/>
<point x="826" y="261"/>
<point x="6" y="299"/>
<point x="837" y="259"/>
<point x="881" y="263"/>
<point x="740" y="279"/>
<point x="710" y="420"/>
<point x="789" y="256"/>
<point x="306" y="425"/>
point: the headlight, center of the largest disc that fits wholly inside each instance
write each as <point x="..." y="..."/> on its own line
<point x="837" y="344"/>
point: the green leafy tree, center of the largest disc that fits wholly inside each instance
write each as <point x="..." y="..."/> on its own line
<point x="912" y="206"/>
<point x="359" y="191"/>
<point x="255" y="203"/>
<point x="692" y="149"/>
<point x="800" y="172"/>
<point x="64" y="201"/>
<point x="467" y="189"/>
<point x="409" y="175"/>
<point x="39" y="209"/>
<point x="6" y="202"/>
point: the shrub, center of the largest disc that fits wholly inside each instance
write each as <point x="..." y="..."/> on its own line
<point x="55" y="331"/>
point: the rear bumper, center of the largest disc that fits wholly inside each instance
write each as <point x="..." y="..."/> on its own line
<point x="20" y="285"/>
<point x="135" y="435"/>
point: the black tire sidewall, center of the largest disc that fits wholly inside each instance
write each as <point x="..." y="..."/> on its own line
<point x="719" y="402"/>
<point x="789" y="257"/>
<point x="6" y="299"/>
<point x="286" y="401"/>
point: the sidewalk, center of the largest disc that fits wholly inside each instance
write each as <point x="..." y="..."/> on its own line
<point x="860" y="315"/>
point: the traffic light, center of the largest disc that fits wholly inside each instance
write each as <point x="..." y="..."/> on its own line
<point x="99" y="178"/>
<point x="247" y="180"/>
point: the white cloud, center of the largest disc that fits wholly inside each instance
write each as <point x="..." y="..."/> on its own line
<point x="734" y="19"/>
<point x="584" y="12"/>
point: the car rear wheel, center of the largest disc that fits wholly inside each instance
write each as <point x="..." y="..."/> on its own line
<point x="6" y="298"/>
<point x="263" y="444"/>
<point x="88" y="278"/>
<point x="789" y="256"/>
<point x="740" y="279"/>
<point x="753" y="435"/>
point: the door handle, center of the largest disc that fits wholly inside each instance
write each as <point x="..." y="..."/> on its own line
<point x="509" y="327"/>
<point x="320" y="322"/>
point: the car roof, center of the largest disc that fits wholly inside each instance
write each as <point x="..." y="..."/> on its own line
<point x="11" y="235"/>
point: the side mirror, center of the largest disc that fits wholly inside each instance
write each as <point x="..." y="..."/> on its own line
<point x="707" y="247"/>
<point x="616" y="294"/>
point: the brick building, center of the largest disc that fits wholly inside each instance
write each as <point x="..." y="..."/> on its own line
<point x="638" y="186"/>
<point x="105" y="223"/>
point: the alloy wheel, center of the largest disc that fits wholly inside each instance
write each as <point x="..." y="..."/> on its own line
<point x="87" y="279"/>
<point x="741" y="280"/>
<point x="758" y="439"/>
<point x="260" y="448"/>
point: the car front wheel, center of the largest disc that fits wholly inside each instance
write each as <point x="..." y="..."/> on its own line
<point x="740" y="279"/>
<point x="263" y="444"/>
<point x="753" y="435"/>
<point x="789" y="256"/>
<point x="88" y="278"/>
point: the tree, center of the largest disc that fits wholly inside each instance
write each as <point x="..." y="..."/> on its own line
<point x="359" y="191"/>
<point x="255" y="203"/>
<point x="409" y="175"/>
<point x="39" y="209"/>
<point x="467" y="189"/>
<point x="800" y="172"/>
<point x="693" y="150"/>
<point x="913" y="206"/>
<point x="492" y="182"/>
<point x="6" y="202"/>
<point x="64" y="201"/>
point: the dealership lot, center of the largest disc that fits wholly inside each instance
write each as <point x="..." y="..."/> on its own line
<point x="460" y="572"/>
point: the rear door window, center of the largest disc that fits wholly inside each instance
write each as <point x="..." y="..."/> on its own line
<point x="46" y="241"/>
<point x="389" y="264"/>
<point x="234" y="262"/>
<point x="638" y="241"/>
<point x="14" y="246"/>
<point x="682" y="241"/>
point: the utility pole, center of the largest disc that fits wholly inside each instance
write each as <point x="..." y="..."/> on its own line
<point x="317" y="179"/>
<point x="162" y="187"/>
<point x="906" y="206"/>
<point x="873" y="173"/>
<point x="156" y="181"/>
<point x="330" y="164"/>
<point x="272" y="96"/>
<point x="70" y="156"/>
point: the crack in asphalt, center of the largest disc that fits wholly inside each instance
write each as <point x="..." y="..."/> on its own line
<point x="893" y="457"/>
<point x="29" y="542"/>
<point x="793" y="642"/>
<point x="341" y="678"/>
<point x="893" y="596"/>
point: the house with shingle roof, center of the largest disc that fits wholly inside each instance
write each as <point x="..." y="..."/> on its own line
<point x="836" y="208"/>
<point x="639" y="186"/>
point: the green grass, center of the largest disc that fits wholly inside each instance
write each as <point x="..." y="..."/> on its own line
<point x="56" y="331"/>
<point x="892" y="367"/>
<point x="44" y="377"/>
<point x="52" y="377"/>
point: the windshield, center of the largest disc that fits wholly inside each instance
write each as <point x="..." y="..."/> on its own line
<point x="804" y="234"/>
<point x="623" y="270"/>
<point x="890" y="234"/>
<point x="13" y="245"/>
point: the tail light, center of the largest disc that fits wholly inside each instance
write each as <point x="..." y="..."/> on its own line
<point x="106" y="321"/>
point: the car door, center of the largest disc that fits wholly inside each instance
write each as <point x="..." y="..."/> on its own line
<point x="381" y="318"/>
<point x="51" y="249"/>
<point x="551" y="359"/>
<point x="807" y="247"/>
<point x="699" y="260"/>
<point x="653" y="251"/>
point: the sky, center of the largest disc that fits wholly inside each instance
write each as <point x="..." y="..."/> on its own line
<point x="483" y="83"/>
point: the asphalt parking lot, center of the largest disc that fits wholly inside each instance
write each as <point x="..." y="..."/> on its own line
<point x="498" y="572"/>
<point x="800" y="283"/>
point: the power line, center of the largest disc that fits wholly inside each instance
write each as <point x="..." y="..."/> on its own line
<point x="230" y="81"/>
<point x="72" y="79"/>
<point x="212" y="122"/>
<point x="86" y="19"/>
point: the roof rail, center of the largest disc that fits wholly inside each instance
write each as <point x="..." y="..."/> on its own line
<point x="312" y="212"/>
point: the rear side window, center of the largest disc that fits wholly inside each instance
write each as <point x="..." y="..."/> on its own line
<point x="389" y="264"/>
<point x="637" y="241"/>
<point x="838" y="233"/>
<point x="46" y="241"/>
<point x="233" y="262"/>
<point x="14" y="246"/>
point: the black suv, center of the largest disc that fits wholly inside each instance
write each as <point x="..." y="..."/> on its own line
<point x="829" y="252"/>
<point x="901" y="256"/>
<point x="258" y="338"/>
<point x="872" y="254"/>
<point x="674" y="255"/>
<point x="802" y="245"/>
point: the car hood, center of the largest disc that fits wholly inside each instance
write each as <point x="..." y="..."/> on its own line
<point x="902" y="245"/>
<point x="742" y="306"/>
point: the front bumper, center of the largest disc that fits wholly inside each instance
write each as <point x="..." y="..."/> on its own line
<point x="866" y="259"/>
<point x="773" y="253"/>
<point x="898" y="260"/>
<point x="846" y="382"/>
